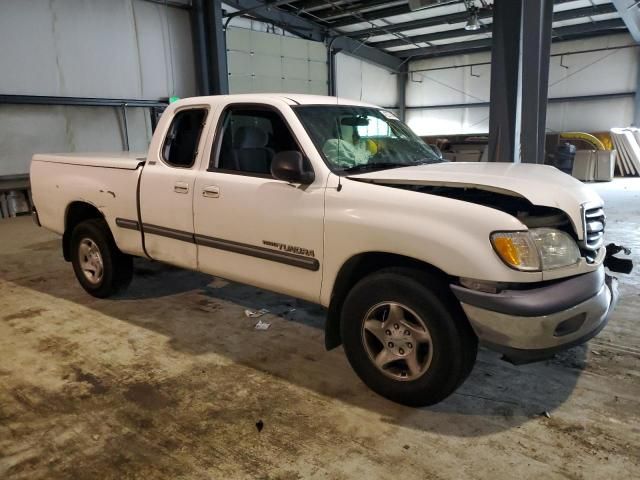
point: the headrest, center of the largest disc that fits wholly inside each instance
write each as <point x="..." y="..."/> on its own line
<point x="250" y="137"/>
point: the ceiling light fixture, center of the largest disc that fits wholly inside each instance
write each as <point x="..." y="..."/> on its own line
<point x="473" y="23"/>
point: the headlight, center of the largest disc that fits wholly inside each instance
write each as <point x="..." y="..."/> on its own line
<point x="536" y="249"/>
<point x="556" y="248"/>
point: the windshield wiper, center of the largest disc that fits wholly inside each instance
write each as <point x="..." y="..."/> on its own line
<point x="373" y="166"/>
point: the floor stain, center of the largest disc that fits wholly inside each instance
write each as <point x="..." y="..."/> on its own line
<point x="24" y="314"/>
<point x="147" y="396"/>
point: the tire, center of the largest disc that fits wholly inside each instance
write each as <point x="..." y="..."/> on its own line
<point x="92" y="247"/>
<point x="439" y="336"/>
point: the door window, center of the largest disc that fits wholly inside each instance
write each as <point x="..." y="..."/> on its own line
<point x="181" y="144"/>
<point x="250" y="138"/>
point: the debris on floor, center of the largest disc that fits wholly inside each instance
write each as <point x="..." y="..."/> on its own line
<point x="255" y="313"/>
<point x="262" y="325"/>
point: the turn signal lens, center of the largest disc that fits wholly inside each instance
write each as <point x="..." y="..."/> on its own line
<point x="517" y="250"/>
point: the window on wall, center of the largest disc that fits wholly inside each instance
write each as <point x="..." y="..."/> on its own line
<point x="181" y="143"/>
<point x="250" y="139"/>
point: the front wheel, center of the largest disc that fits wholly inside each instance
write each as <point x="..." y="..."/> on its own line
<point x="406" y="338"/>
<point x="100" y="267"/>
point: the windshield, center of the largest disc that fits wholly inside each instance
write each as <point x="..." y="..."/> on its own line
<point x="354" y="139"/>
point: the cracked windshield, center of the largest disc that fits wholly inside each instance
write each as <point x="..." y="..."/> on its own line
<point x="354" y="139"/>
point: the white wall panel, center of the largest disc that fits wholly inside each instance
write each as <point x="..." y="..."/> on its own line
<point x="452" y="85"/>
<point x="612" y="71"/>
<point x="39" y="129"/>
<point x="87" y="48"/>
<point x="265" y="62"/>
<point x="447" y="120"/>
<point x="95" y="48"/>
<point x="590" y="116"/>
<point x="360" y="80"/>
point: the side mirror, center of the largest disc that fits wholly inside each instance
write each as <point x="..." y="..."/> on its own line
<point x="289" y="166"/>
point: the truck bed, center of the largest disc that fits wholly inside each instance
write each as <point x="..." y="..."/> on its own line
<point x="108" y="181"/>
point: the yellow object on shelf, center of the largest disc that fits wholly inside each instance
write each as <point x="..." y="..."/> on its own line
<point x="605" y="138"/>
<point x="587" y="137"/>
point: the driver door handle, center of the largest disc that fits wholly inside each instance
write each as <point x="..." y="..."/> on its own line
<point x="181" y="187"/>
<point x="211" y="191"/>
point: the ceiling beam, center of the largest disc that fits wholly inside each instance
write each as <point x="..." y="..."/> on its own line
<point x="586" y="28"/>
<point x="287" y="21"/>
<point x="309" y="6"/>
<point x="430" y="37"/>
<point x="421" y="23"/>
<point x="630" y="14"/>
<point x="170" y="3"/>
<point x="365" y="52"/>
<point x="448" y="49"/>
<point x="461" y="32"/>
<point x="358" y="7"/>
<point x="311" y="30"/>
<point x="373" y="15"/>
<point x="605" y="27"/>
<point x="425" y="22"/>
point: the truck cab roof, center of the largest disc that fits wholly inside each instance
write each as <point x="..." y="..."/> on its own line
<point x="289" y="98"/>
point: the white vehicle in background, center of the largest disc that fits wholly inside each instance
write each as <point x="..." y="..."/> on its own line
<point x="339" y="203"/>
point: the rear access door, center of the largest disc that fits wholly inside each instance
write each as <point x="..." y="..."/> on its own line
<point x="167" y="186"/>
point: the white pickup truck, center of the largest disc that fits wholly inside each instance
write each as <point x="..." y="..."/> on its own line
<point x="337" y="202"/>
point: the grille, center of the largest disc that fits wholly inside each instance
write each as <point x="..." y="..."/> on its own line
<point x="594" y="221"/>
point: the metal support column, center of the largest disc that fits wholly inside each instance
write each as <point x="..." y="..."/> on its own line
<point x="519" y="80"/>
<point x="636" y="103"/>
<point x="210" y="47"/>
<point x="403" y="74"/>
<point x="630" y="14"/>
<point x="199" y="46"/>
<point x="536" y="48"/>
<point x="331" y="58"/>
<point x="505" y="57"/>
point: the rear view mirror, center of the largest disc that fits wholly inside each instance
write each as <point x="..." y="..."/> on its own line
<point x="289" y="166"/>
<point x="355" y="121"/>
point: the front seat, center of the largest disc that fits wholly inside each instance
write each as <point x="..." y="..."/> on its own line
<point x="250" y="150"/>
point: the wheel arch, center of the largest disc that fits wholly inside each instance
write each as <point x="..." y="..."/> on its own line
<point x="77" y="212"/>
<point x="358" y="267"/>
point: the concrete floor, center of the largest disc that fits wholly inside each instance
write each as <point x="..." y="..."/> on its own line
<point x="170" y="379"/>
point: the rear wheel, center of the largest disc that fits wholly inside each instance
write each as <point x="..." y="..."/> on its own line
<point x="100" y="267"/>
<point x="406" y="338"/>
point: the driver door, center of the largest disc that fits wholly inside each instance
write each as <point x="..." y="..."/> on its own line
<point x="251" y="227"/>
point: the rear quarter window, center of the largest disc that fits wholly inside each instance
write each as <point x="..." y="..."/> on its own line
<point x="180" y="146"/>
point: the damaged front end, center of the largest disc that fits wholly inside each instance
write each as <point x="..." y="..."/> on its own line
<point x="528" y="322"/>
<point x="534" y="216"/>
<point x="588" y="233"/>
<point x="572" y="297"/>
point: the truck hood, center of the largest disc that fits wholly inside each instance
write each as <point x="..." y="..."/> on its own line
<point x="542" y="185"/>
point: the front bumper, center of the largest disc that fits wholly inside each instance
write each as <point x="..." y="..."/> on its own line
<point x="534" y="324"/>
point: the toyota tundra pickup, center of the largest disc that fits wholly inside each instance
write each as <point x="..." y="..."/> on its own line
<point x="339" y="203"/>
